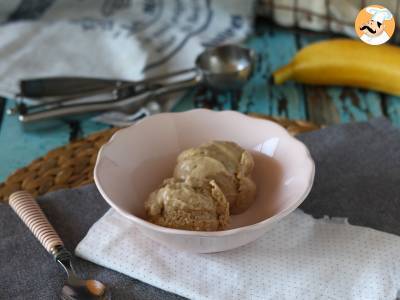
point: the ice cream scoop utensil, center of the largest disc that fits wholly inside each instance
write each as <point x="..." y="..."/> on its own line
<point x="31" y="214"/>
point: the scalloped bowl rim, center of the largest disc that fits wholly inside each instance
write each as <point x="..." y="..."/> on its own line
<point x="227" y="232"/>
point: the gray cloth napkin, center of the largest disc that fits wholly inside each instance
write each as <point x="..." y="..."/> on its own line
<point x="357" y="176"/>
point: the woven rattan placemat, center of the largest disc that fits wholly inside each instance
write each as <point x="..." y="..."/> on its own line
<point x="72" y="165"/>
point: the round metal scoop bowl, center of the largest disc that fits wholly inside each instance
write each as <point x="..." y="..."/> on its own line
<point x="226" y="67"/>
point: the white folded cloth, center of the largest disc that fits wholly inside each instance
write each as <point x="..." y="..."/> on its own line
<point x="112" y="38"/>
<point x="299" y="258"/>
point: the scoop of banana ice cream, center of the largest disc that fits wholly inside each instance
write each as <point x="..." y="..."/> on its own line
<point x="191" y="204"/>
<point x="227" y="164"/>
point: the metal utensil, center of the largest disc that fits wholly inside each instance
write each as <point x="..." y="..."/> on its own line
<point x="120" y="119"/>
<point x="217" y="64"/>
<point x="143" y="91"/>
<point x="128" y="105"/>
<point x="31" y="214"/>
<point x="76" y="87"/>
<point x="63" y="86"/>
<point x="225" y="67"/>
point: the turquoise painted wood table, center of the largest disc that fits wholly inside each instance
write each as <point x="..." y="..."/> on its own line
<point x="294" y="101"/>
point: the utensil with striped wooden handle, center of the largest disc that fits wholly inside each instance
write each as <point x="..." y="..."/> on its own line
<point x="28" y="210"/>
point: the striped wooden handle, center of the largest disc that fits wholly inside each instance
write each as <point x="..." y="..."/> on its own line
<point x="32" y="215"/>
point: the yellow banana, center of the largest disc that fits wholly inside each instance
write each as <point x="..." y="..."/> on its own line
<point x="345" y="62"/>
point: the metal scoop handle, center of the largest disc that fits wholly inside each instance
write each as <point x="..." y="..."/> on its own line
<point x="128" y="105"/>
<point x="68" y="88"/>
<point x="64" y="86"/>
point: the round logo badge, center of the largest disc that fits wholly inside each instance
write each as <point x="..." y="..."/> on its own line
<point x="374" y="25"/>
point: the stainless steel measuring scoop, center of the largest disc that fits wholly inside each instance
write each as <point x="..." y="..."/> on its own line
<point x="226" y="67"/>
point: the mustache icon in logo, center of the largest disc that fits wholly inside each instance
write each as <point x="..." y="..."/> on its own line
<point x="368" y="28"/>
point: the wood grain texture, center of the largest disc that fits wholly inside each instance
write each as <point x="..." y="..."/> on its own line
<point x="392" y="105"/>
<point x="330" y="105"/>
<point x="275" y="49"/>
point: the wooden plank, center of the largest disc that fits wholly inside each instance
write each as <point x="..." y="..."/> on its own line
<point x="19" y="147"/>
<point x="276" y="48"/>
<point x="392" y="105"/>
<point x="320" y="108"/>
<point x="185" y="103"/>
<point x="330" y="105"/>
<point x="341" y="105"/>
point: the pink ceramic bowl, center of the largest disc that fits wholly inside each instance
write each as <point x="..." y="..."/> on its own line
<point x="137" y="159"/>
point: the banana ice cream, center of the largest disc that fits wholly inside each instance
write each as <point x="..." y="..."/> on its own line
<point x="210" y="182"/>
<point x="226" y="163"/>
<point x="190" y="205"/>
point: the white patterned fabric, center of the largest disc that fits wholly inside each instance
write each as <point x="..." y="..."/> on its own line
<point x="112" y="38"/>
<point x="300" y="258"/>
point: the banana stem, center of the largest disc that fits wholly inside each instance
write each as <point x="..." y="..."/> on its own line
<point x="283" y="74"/>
